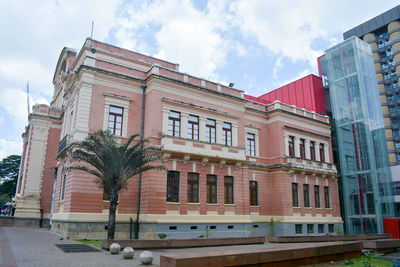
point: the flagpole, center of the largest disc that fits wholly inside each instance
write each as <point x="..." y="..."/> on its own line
<point x="27" y="96"/>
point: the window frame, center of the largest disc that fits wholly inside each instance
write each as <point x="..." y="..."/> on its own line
<point x="227" y="134"/>
<point x="310" y="228"/>
<point x="291" y="146"/>
<point x="193" y="127"/>
<point x="295" y="195"/>
<point x="322" y="152"/>
<point x="192" y="196"/>
<point x="321" y="228"/>
<point x="327" y="196"/>
<point x="173" y="186"/>
<point x="317" y="196"/>
<point x="253" y="189"/>
<point x="302" y="147"/>
<point x="63" y="181"/>
<point x="306" y="193"/>
<point x="312" y="150"/>
<point x="115" y="115"/>
<point x="229" y="190"/>
<point x="212" y="189"/>
<point x="298" y="228"/>
<point x="175" y="123"/>
<point x="211" y="130"/>
<point x="251" y="144"/>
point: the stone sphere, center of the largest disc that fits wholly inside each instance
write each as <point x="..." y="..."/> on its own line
<point x="146" y="257"/>
<point x="115" y="248"/>
<point x="128" y="253"/>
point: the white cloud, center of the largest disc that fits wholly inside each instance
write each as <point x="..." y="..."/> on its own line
<point x="278" y="65"/>
<point x="8" y="148"/>
<point x="300" y="75"/>
<point x="184" y="34"/>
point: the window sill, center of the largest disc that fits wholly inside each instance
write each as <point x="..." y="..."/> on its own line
<point x="173" y="203"/>
<point x="308" y="208"/>
<point x="257" y="206"/>
<point x="212" y="204"/>
<point x="230" y="205"/>
<point x="193" y="204"/>
<point x="296" y="207"/>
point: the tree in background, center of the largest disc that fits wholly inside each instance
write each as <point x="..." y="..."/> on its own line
<point x="9" y="168"/>
<point x="114" y="164"/>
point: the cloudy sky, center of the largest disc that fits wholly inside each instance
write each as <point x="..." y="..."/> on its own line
<point x="257" y="44"/>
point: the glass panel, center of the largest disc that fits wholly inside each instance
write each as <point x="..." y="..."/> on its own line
<point x="116" y="110"/>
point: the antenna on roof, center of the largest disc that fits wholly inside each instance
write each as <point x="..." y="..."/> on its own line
<point x="91" y="34"/>
<point x="27" y="96"/>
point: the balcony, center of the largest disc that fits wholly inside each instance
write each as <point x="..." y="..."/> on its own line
<point x="202" y="149"/>
<point x="312" y="166"/>
<point x="63" y="143"/>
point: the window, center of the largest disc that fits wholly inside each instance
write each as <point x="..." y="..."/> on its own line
<point x="173" y="186"/>
<point x="317" y="196"/>
<point x="312" y="150"/>
<point x="310" y="228"/>
<point x="291" y="146"/>
<point x="295" y="194"/>
<point x="211" y="188"/>
<point x="370" y="203"/>
<point x="322" y="152"/>
<point x="63" y="186"/>
<point x="306" y="190"/>
<point x="115" y="120"/>
<point x="210" y="130"/>
<point x="253" y="193"/>
<point x="320" y="228"/>
<point x="193" y="188"/>
<point x="228" y="190"/>
<point x="302" y="149"/>
<point x="330" y="228"/>
<point x="174" y="124"/>
<point x="251" y="144"/>
<point x="299" y="228"/>
<point x="227" y="134"/>
<point x="193" y="127"/>
<point x="105" y="195"/>
<point x="327" y="197"/>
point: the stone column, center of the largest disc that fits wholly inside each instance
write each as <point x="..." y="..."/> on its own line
<point x="202" y="128"/>
<point x="234" y="134"/>
<point x="326" y="152"/>
<point x="286" y="145"/>
<point x="218" y="132"/>
<point x="184" y="125"/>
<point x="165" y="121"/>
<point x="307" y="149"/>
<point x="297" y="147"/>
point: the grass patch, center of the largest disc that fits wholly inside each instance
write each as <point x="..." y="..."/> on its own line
<point x="94" y="243"/>
<point x="357" y="262"/>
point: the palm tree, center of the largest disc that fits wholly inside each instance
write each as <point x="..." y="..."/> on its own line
<point x="114" y="164"/>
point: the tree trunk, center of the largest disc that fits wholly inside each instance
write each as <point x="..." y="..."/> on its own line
<point x="111" y="220"/>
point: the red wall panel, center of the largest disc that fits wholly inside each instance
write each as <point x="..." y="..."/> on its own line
<point x="306" y="93"/>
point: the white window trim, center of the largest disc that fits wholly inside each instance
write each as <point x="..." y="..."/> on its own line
<point x="118" y="101"/>
<point x="255" y="132"/>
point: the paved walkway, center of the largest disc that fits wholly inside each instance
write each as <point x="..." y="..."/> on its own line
<point x="26" y="247"/>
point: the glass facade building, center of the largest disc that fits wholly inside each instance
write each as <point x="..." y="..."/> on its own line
<point x="362" y="156"/>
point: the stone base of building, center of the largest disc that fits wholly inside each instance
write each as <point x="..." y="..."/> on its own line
<point x="23" y="222"/>
<point x="29" y="207"/>
<point x="98" y="230"/>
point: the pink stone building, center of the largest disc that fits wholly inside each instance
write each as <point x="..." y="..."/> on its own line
<point x="233" y="164"/>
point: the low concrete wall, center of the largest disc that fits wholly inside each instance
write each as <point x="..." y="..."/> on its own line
<point x="382" y="245"/>
<point x="184" y="243"/>
<point x="294" y="256"/>
<point x="303" y="239"/>
<point x="23" y="222"/>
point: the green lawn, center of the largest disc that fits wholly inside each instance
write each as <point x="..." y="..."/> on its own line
<point x="358" y="262"/>
<point x="95" y="243"/>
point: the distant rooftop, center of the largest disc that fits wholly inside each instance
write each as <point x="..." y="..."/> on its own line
<point x="374" y="24"/>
